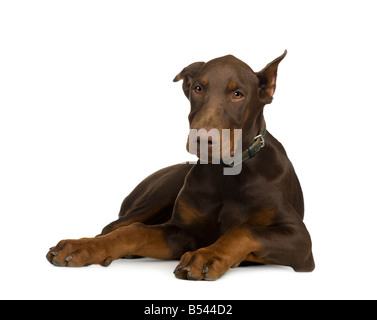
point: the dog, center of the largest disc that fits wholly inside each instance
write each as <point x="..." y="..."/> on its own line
<point x="197" y="213"/>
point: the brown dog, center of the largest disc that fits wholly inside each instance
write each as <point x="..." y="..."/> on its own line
<point x="209" y="220"/>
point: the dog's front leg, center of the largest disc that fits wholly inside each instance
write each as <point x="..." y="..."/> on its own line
<point x="209" y="263"/>
<point x="163" y="241"/>
<point x="283" y="245"/>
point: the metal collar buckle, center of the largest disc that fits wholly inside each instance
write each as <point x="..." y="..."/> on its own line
<point x="262" y="143"/>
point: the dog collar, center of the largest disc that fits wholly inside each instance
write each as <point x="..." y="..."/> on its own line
<point x="257" y="144"/>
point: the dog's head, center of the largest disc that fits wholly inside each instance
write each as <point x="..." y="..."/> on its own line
<point x="225" y="93"/>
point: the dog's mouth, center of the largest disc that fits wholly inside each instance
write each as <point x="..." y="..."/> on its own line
<point x="205" y="153"/>
<point x="209" y="141"/>
<point x="209" y="148"/>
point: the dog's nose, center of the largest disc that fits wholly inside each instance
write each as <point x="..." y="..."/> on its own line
<point x="205" y="128"/>
<point x="212" y="135"/>
<point x="209" y="139"/>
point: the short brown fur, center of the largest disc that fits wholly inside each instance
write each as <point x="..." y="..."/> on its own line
<point x="193" y="212"/>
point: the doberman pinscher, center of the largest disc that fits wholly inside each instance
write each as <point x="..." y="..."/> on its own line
<point x="209" y="220"/>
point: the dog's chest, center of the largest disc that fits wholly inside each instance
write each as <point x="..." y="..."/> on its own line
<point x="212" y="198"/>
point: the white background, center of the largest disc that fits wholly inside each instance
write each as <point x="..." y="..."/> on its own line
<point x="88" y="109"/>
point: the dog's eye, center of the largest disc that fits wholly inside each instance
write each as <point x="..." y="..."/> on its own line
<point x="198" y="89"/>
<point x="237" y="95"/>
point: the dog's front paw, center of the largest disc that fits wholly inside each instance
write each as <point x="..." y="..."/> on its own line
<point x="203" y="264"/>
<point x="78" y="253"/>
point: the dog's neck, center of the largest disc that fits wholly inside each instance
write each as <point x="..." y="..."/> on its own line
<point x="248" y="136"/>
<point x="254" y="146"/>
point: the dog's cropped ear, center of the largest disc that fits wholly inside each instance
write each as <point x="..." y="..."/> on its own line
<point x="267" y="79"/>
<point x="187" y="74"/>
